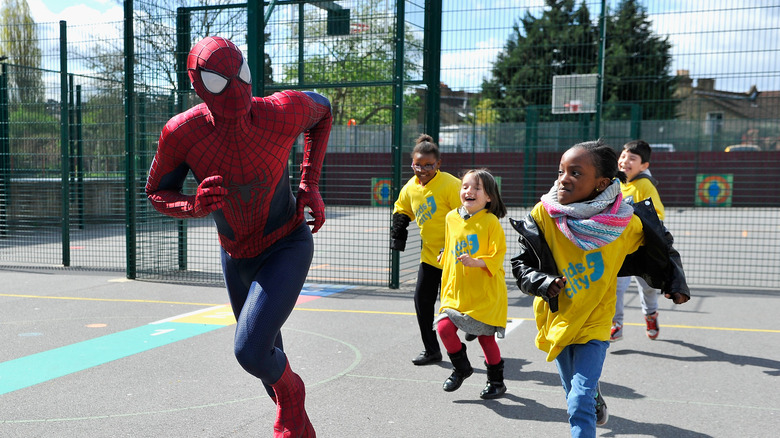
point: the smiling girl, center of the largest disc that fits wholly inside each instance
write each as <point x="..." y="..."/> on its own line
<point x="473" y="292"/>
<point x="426" y="198"/>
<point x="573" y="244"/>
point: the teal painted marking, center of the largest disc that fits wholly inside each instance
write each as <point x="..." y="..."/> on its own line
<point x="37" y="368"/>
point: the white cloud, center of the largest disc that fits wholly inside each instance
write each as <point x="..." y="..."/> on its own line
<point x="77" y="14"/>
<point x="466" y="68"/>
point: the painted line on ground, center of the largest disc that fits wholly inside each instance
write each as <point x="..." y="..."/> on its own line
<point x="37" y="368"/>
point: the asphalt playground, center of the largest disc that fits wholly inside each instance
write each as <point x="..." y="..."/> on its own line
<point x="92" y="354"/>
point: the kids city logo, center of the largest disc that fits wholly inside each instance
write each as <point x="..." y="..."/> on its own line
<point x="579" y="277"/>
<point x="469" y="245"/>
<point x="425" y="211"/>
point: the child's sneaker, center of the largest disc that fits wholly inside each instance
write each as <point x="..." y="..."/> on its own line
<point x="652" y="325"/>
<point x="602" y="415"/>
<point x="616" y="333"/>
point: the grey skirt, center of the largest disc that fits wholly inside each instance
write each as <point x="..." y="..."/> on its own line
<point x="469" y="324"/>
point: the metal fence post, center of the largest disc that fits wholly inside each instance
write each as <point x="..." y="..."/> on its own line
<point x="64" y="144"/>
<point x="600" y="62"/>
<point x="5" y="150"/>
<point x="130" y="177"/>
<point x="78" y="133"/>
<point x="398" y="127"/>
<point x="432" y="67"/>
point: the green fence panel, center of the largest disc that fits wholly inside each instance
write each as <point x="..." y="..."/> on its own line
<point x="501" y="93"/>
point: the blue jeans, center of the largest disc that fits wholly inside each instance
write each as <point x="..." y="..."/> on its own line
<point x="647" y="296"/>
<point x="579" y="366"/>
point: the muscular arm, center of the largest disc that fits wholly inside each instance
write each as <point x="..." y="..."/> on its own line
<point x="167" y="175"/>
<point x="317" y="108"/>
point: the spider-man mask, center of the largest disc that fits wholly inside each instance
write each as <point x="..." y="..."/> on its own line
<point x="220" y="75"/>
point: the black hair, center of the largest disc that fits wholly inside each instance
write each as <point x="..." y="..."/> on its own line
<point x="490" y="186"/>
<point x="639" y="147"/>
<point x="605" y="159"/>
<point x="425" y="145"/>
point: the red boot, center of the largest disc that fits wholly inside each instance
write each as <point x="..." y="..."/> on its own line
<point x="291" y="418"/>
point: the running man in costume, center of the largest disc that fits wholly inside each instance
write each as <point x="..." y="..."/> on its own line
<point x="236" y="147"/>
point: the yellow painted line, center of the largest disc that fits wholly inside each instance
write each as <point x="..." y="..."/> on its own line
<point x="728" y="329"/>
<point x="219" y="315"/>
<point x="113" y="300"/>
<point x="373" y="312"/>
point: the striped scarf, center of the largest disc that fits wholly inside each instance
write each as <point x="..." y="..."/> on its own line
<point x="590" y="224"/>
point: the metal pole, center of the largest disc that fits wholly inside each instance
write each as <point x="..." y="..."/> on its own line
<point x="5" y="151"/>
<point x="130" y="177"/>
<point x="398" y="127"/>
<point x="64" y="144"/>
<point x="432" y="67"/>
<point x="79" y="159"/>
<point x="600" y="77"/>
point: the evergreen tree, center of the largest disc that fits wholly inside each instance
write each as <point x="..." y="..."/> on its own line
<point x="564" y="41"/>
<point x="637" y="65"/>
<point x="560" y="42"/>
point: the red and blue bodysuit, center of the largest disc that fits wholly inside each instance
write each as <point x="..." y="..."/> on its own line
<point x="237" y="147"/>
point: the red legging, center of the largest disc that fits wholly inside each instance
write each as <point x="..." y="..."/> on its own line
<point x="448" y="332"/>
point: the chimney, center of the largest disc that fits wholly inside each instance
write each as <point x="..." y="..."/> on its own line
<point x="684" y="84"/>
<point x="705" y="84"/>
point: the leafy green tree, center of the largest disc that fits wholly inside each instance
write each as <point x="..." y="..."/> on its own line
<point x="560" y="42"/>
<point x="19" y="42"/>
<point x="358" y="58"/>
<point x="637" y="65"/>
<point x="564" y="41"/>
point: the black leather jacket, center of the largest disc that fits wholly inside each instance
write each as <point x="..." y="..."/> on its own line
<point x="657" y="262"/>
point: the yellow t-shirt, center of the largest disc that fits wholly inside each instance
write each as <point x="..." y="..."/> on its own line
<point x="641" y="189"/>
<point x="477" y="292"/>
<point x="587" y="305"/>
<point x="428" y="205"/>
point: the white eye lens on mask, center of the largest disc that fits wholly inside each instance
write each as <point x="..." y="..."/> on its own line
<point x="213" y="82"/>
<point x="244" y="74"/>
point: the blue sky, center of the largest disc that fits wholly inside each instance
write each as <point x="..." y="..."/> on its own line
<point x="738" y="47"/>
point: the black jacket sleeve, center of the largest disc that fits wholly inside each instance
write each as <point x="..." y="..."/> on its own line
<point x="656" y="262"/>
<point x="533" y="267"/>
<point x="399" y="232"/>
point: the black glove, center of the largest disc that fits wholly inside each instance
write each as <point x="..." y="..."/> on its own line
<point x="399" y="232"/>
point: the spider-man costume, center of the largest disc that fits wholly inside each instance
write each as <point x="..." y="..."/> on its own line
<point x="237" y="148"/>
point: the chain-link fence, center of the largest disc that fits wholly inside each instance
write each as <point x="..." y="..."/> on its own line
<point x="503" y="85"/>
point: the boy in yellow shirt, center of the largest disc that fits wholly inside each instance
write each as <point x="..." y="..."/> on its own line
<point x="634" y="161"/>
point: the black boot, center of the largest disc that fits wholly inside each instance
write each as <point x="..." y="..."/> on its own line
<point x="495" y="383"/>
<point x="461" y="369"/>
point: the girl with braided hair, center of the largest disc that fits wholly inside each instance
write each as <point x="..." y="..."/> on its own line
<point x="426" y="198"/>
<point x="573" y="246"/>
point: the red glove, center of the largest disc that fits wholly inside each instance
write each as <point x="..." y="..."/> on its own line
<point x="309" y="195"/>
<point x="210" y="196"/>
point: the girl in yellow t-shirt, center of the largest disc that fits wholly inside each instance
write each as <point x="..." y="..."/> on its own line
<point x="573" y="245"/>
<point x="473" y="292"/>
<point x="426" y="198"/>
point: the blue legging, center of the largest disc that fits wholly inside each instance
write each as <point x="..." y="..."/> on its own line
<point x="263" y="291"/>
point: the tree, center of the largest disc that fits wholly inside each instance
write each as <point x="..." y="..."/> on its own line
<point x="156" y="36"/>
<point x="638" y="63"/>
<point x="19" y="42"/>
<point x="560" y="42"/>
<point x="564" y="41"/>
<point x="359" y="58"/>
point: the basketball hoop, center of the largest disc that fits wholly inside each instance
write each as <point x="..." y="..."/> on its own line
<point x="573" y="106"/>
<point x="574" y="94"/>
<point x="357" y="28"/>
